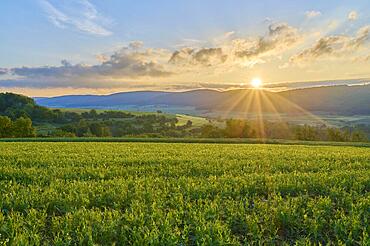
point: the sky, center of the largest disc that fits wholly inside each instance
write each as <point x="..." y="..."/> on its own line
<point x="54" y="47"/>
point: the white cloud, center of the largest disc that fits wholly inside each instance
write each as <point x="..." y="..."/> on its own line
<point x="281" y="45"/>
<point x="125" y="64"/>
<point x="312" y="14"/>
<point x="3" y="71"/>
<point x="186" y="42"/>
<point x="202" y="57"/>
<point x="245" y="52"/>
<point x="136" y="44"/>
<point x="352" y="16"/>
<point x="280" y="37"/>
<point x="122" y="63"/>
<point x="136" y="63"/>
<point x="78" y="14"/>
<point x="334" y="46"/>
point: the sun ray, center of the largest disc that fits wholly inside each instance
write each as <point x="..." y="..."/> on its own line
<point x="302" y="110"/>
<point x="260" y="119"/>
<point x="249" y="101"/>
<point x="255" y="101"/>
<point x="230" y="108"/>
<point x="276" y="112"/>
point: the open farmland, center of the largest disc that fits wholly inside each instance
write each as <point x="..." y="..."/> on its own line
<point x="183" y="193"/>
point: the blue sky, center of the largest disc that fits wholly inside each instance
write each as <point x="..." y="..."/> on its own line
<point x="116" y="45"/>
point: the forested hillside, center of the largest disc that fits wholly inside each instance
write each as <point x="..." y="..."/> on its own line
<point x="20" y="115"/>
<point x="91" y="123"/>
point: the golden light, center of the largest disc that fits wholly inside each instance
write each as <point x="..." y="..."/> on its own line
<point x="256" y="82"/>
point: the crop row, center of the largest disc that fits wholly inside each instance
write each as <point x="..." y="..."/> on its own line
<point x="183" y="194"/>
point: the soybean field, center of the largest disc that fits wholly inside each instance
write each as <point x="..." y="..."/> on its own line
<point x="91" y="193"/>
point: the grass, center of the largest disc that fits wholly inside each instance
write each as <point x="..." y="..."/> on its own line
<point x="196" y="121"/>
<point x="187" y="140"/>
<point x="44" y="128"/>
<point x="136" y="113"/>
<point x="183" y="194"/>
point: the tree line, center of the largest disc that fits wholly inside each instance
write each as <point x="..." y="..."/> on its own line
<point x="20" y="114"/>
<point x="19" y="128"/>
<point x="15" y="106"/>
<point x="150" y="125"/>
<point x="239" y="128"/>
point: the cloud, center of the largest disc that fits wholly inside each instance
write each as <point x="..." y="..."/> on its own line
<point x="280" y="37"/>
<point x="182" y="56"/>
<point x="231" y="55"/>
<point x="203" y="57"/>
<point x="352" y="16"/>
<point x="335" y="45"/>
<point x="78" y="14"/>
<point x="324" y="46"/>
<point x="124" y="64"/>
<point x="67" y="84"/>
<point x="209" y="56"/>
<point x="361" y="38"/>
<point x="136" y="63"/>
<point x="102" y="58"/>
<point x="229" y="34"/>
<point x="362" y="58"/>
<point x="3" y="71"/>
<point x="312" y="14"/>
<point x="186" y="42"/>
<point x="239" y="51"/>
<point x="136" y="44"/>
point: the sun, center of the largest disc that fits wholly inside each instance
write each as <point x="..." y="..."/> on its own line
<point x="256" y="82"/>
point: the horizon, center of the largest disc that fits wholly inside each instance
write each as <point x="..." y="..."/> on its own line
<point x="56" y="48"/>
<point x="278" y="87"/>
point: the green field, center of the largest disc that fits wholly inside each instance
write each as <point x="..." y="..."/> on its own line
<point x="183" y="194"/>
<point x="197" y="121"/>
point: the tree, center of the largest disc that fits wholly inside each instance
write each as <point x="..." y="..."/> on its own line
<point x="307" y="133"/>
<point x="100" y="130"/>
<point x="237" y="128"/>
<point x="211" y="131"/>
<point x="93" y="114"/>
<point x="147" y="127"/>
<point x="82" y="129"/>
<point x="358" y="136"/>
<point x="335" y="134"/>
<point x="189" y="123"/>
<point x="5" y="127"/>
<point x="22" y="127"/>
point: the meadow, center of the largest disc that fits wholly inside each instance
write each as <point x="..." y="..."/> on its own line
<point x="103" y="193"/>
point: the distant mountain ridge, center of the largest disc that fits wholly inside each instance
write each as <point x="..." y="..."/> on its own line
<point x="345" y="100"/>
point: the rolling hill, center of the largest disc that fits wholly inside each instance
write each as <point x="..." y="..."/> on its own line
<point x="342" y="100"/>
